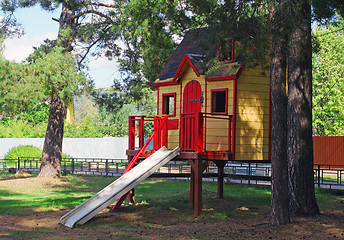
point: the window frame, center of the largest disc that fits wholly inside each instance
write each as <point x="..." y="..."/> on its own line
<point x="226" y="102"/>
<point x="174" y="103"/>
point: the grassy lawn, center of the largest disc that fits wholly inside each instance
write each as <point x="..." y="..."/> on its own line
<point x="161" y="210"/>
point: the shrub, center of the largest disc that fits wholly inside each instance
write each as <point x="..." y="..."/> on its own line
<point x="27" y="151"/>
<point x="22" y="129"/>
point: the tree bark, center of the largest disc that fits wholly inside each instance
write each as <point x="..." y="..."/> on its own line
<point x="52" y="149"/>
<point x="300" y="142"/>
<point x="279" y="176"/>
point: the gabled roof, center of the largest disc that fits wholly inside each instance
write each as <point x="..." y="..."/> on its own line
<point x="195" y="47"/>
<point x="196" y="43"/>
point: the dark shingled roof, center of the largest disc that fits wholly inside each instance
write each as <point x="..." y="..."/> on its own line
<point x="195" y="42"/>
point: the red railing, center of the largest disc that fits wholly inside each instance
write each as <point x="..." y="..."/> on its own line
<point x="193" y="131"/>
<point x="160" y="129"/>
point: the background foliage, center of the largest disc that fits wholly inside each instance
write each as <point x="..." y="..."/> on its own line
<point x="142" y="41"/>
<point x="328" y="79"/>
<point x="26" y="151"/>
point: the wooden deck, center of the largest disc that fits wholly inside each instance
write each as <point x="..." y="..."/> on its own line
<point x="185" y="155"/>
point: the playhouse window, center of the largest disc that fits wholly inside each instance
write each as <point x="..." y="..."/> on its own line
<point x="219" y="101"/>
<point x="169" y="104"/>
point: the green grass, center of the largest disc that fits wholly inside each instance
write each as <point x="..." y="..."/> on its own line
<point x="329" y="177"/>
<point x="24" y="201"/>
<point x="164" y="195"/>
<point x="154" y="198"/>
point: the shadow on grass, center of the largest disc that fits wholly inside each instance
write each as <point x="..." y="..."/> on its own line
<point x="21" y="201"/>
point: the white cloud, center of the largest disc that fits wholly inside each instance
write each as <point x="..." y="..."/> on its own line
<point x="18" y="49"/>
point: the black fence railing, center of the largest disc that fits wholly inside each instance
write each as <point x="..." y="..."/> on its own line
<point x="326" y="176"/>
<point x="329" y="175"/>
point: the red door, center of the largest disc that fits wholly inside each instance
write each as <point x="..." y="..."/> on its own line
<point x="192" y="97"/>
<point x="192" y="100"/>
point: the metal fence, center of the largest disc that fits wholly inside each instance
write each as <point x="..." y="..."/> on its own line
<point x="329" y="176"/>
<point x="326" y="176"/>
<point x="93" y="166"/>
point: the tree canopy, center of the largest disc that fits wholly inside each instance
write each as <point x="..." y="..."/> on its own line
<point x="19" y="88"/>
<point x="326" y="10"/>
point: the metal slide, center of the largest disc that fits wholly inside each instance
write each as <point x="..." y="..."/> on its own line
<point x="115" y="190"/>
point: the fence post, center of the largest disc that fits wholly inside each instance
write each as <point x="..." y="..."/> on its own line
<point x="249" y="172"/>
<point x="72" y="170"/>
<point x="106" y="167"/>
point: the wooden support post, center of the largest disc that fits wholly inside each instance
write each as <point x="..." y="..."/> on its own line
<point x="220" y="177"/>
<point x="198" y="188"/>
<point x="192" y="187"/>
<point x="131" y="193"/>
<point x="131" y="196"/>
<point x="197" y="168"/>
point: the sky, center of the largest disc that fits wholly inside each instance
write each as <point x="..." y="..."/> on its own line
<point x="39" y="26"/>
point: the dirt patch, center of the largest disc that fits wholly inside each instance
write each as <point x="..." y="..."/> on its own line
<point x="28" y="182"/>
<point x="233" y="221"/>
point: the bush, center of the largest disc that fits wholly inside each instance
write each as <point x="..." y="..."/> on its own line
<point x="22" y="129"/>
<point x="27" y="151"/>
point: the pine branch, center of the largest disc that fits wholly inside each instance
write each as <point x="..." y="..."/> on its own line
<point x="90" y="3"/>
<point x="92" y="12"/>
<point x="88" y="49"/>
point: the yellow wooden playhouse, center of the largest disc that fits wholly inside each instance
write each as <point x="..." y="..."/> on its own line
<point x="216" y="114"/>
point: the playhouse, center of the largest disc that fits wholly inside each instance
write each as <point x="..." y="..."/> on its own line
<point x="204" y="114"/>
<point x="219" y="114"/>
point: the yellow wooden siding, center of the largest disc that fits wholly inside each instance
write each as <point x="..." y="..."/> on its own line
<point x="173" y="138"/>
<point x="251" y="79"/>
<point x="251" y="140"/>
<point x="252" y="87"/>
<point x="251" y="133"/>
<point x="252" y="156"/>
<point x="253" y="115"/>
<point x="257" y="95"/>
<point x="216" y="146"/>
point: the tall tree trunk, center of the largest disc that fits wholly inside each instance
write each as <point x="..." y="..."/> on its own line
<point x="279" y="176"/>
<point x="52" y="149"/>
<point x="300" y="142"/>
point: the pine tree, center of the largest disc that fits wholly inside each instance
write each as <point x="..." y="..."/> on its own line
<point x="278" y="78"/>
<point x="300" y="142"/>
